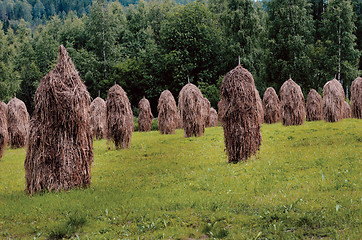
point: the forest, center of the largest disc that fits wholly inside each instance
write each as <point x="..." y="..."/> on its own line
<point x="149" y="46"/>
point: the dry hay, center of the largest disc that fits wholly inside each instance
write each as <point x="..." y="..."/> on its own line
<point x="193" y="110"/>
<point x="119" y="117"/>
<point x="239" y="115"/>
<point x="213" y="118"/>
<point x="206" y="112"/>
<point x="314" y="106"/>
<point x="145" y="116"/>
<point x="356" y="98"/>
<point x="167" y="113"/>
<point x="259" y="106"/>
<point x="179" y="120"/>
<point x="271" y="106"/>
<point x="333" y="101"/>
<point x="347" y="112"/>
<point x="3" y="128"/>
<point x="60" y="149"/>
<point x="18" y="123"/>
<point x="98" y="118"/>
<point x="292" y="104"/>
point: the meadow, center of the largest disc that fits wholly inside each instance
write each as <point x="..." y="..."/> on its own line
<point x="305" y="183"/>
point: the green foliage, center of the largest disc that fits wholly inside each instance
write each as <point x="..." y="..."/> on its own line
<point x="290" y="42"/>
<point x="191" y="38"/>
<point x="338" y="20"/>
<point x="243" y="26"/>
<point x="156" y="45"/>
<point x="304" y="183"/>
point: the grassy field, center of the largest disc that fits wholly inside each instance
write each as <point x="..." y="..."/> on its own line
<point x="304" y="184"/>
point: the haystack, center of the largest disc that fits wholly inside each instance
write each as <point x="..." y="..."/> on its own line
<point x="18" y="123"/>
<point x="167" y="113"/>
<point x="259" y="106"/>
<point x="179" y="120"/>
<point x="206" y="112"/>
<point x="333" y="101"/>
<point x="3" y="128"/>
<point x="119" y="117"/>
<point x="192" y="110"/>
<point x="98" y="118"/>
<point x="314" y="106"/>
<point x="347" y="112"/>
<point x="239" y="115"/>
<point x="145" y="116"/>
<point x="213" y="118"/>
<point x="4" y="108"/>
<point x="60" y="149"/>
<point x="292" y="104"/>
<point x="356" y="98"/>
<point x="271" y="106"/>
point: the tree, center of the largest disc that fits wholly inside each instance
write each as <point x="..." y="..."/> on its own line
<point x="339" y="40"/>
<point x="357" y="7"/>
<point x="192" y="45"/>
<point x="242" y="22"/>
<point x="9" y="78"/>
<point x="101" y="29"/>
<point x="290" y="42"/>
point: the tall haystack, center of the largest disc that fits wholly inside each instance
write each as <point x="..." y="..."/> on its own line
<point x="239" y="115"/>
<point x="213" y="118"/>
<point x="167" y="113"/>
<point x="314" y="106"/>
<point x="271" y="106"/>
<point x="18" y="123"/>
<point x="98" y="118"/>
<point x="356" y="98"/>
<point x="347" y="112"/>
<point x="206" y="112"/>
<point x="193" y="110"/>
<point x="60" y="149"/>
<point x="292" y="104"/>
<point x="3" y="128"/>
<point x="145" y="116"/>
<point x="119" y="117"/>
<point x="259" y="106"/>
<point x="333" y="101"/>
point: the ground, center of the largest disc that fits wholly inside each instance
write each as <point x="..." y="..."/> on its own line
<point x="305" y="183"/>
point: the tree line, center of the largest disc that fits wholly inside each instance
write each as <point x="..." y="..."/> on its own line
<point x="157" y="45"/>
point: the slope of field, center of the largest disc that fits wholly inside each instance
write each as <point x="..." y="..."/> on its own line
<point x="305" y="183"/>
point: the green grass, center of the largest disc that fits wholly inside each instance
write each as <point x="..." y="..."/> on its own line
<point x="304" y="184"/>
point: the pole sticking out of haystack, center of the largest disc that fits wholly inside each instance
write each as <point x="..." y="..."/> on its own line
<point x="271" y="106"/>
<point x="333" y="101"/>
<point x="3" y="128"/>
<point x="145" y="116"/>
<point x="192" y="104"/>
<point x="314" y="106"/>
<point x="18" y="123"/>
<point x="356" y="98"/>
<point x="239" y="115"/>
<point x="259" y="107"/>
<point x="98" y="118"/>
<point x="347" y="113"/>
<point x="60" y="149"/>
<point x="167" y="113"/>
<point x="213" y="118"/>
<point x="119" y="117"/>
<point x="292" y="104"/>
